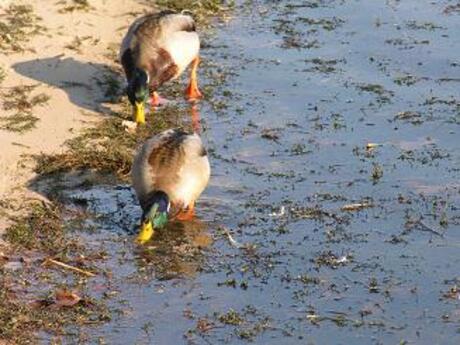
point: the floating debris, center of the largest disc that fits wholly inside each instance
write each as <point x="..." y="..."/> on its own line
<point x="453" y="293"/>
<point x="232" y="241"/>
<point x="66" y="298"/>
<point x="421" y="226"/>
<point x="377" y="172"/>
<point x="281" y="212"/>
<point x="270" y="134"/>
<point x="356" y="206"/>
<point x="413" y="117"/>
<point x="371" y="146"/>
<point x="342" y="259"/>
<point x="69" y="267"/>
<point x="331" y="260"/>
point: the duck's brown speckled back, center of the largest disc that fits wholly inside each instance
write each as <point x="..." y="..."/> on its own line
<point x="174" y="162"/>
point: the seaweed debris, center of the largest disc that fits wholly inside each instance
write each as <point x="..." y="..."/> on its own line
<point x="18" y="25"/>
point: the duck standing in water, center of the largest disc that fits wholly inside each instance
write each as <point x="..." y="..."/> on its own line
<point x="169" y="173"/>
<point x="157" y="48"/>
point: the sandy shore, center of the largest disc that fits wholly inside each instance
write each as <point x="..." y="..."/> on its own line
<point x="63" y="72"/>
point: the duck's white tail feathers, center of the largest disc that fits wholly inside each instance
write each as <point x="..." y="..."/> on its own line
<point x="183" y="47"/>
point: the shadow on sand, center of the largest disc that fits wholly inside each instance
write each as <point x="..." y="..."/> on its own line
<point x="82" y="81"/>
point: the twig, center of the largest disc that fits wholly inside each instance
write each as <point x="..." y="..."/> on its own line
<point x="75" y="269"/>
<point x="356" y="206"/>
<point x="424" y="227"/>
<point x="232" y="241"/>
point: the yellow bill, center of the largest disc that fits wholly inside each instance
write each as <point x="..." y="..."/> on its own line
<point x="139" y="112"/>
<point x="146" y="232"/>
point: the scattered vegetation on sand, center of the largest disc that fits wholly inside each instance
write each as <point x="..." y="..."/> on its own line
<point x="202" y="10"/>
<point x="74" y="5"/>
<point x="17" y="26"/>
<point x="107" y="148"/>
<point x="19" y="101"/>
<point x="79" y="41"/>
<point x="2" y="74"/>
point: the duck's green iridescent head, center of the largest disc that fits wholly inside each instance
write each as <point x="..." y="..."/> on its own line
<point x="155" y="217"/>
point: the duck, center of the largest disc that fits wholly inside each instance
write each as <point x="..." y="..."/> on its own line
<point x="169" y="173"/>
<point x="158" y="47"/>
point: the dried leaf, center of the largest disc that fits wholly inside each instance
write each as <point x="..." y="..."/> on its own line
<point x="203" y="325"/>
<point x="65" y="298"/>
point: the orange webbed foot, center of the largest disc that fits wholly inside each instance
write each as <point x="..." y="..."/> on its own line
<point x="156" y="100"/>
<point x="185" y="215"/>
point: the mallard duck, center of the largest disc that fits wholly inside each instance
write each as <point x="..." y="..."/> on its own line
<point x="158" y="47"/>
<point x="169" y="173"/>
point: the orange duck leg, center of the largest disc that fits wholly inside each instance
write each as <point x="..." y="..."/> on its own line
<point x="192" y="92"/>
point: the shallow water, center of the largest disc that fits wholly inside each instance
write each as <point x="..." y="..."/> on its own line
<point x="308" y="85"/>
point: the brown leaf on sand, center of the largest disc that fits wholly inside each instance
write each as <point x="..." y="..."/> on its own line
<point x="65" y="298"/>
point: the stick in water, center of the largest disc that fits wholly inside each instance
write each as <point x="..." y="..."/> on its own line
<point x="75" y="269"/>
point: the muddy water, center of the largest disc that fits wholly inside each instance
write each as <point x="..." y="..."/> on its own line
<point x="309" y="84"/>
